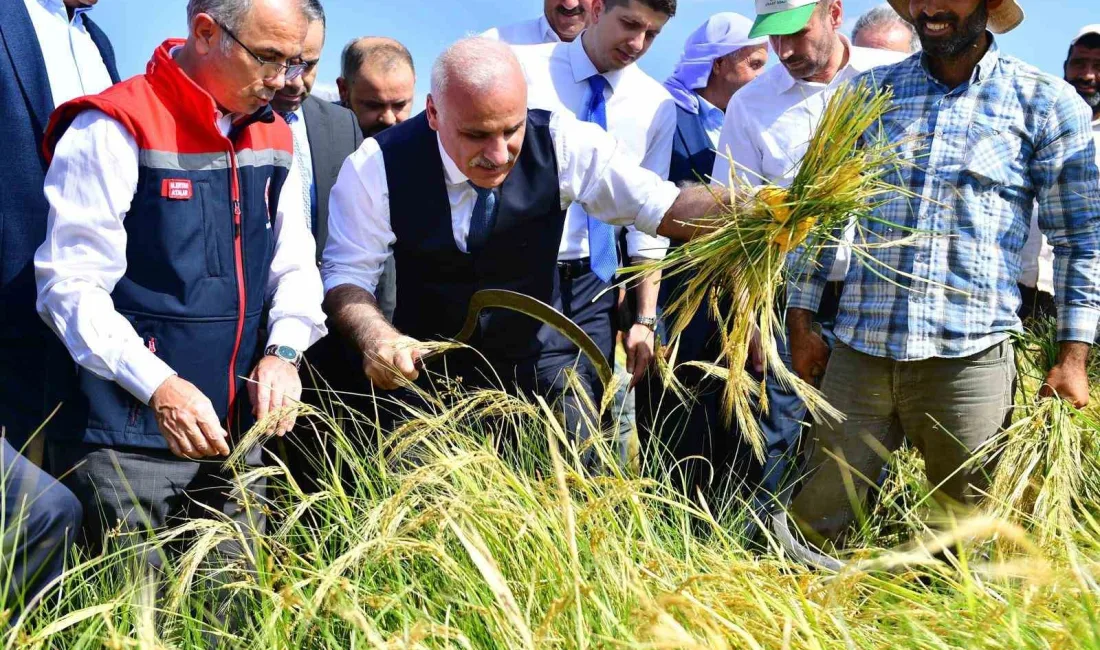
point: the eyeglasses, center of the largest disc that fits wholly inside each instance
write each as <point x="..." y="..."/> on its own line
<point x="269" y="69"/>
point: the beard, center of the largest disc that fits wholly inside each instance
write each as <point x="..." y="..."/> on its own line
<point x="1092" y="98"/>
<point x="965" y="34"/>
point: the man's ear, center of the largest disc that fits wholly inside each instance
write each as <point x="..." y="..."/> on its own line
<point x="992" y="5"/>
<point x="433" y="113"/>
<point x="342" y="88"/>
<point x="205" y="33"/>
<point x="836" y="13"/>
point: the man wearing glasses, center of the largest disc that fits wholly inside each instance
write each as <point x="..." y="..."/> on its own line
<point x="167" y="246"/>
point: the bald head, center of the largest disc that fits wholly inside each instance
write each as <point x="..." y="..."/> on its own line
<point x="377" y="80"/>
<point x="478" y="105"/>
<point x="477" y="67"/>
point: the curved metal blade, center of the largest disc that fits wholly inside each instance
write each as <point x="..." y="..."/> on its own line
<point x="540" y="311"/>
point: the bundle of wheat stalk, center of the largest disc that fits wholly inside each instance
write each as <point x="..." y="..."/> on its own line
<point x="1047" y="473"/>
<point x="764" y="235"/>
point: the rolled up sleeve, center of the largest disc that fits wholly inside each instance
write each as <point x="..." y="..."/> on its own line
<point x="594" y="173"/>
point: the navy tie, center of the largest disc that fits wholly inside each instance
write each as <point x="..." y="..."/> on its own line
<point x="602" y="251"/>
<point x="482" y="220"/>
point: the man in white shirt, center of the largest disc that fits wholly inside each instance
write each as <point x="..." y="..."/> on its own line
<point x="597" y="79"/>
<point x="478" y="187"/>
<point x="166" y="250"/>
<point x="561" y="21"/>
<point x="766" y="133"/>
<point x="50" y="52"/>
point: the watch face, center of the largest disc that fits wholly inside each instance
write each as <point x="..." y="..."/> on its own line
<point x="286" y="352"/>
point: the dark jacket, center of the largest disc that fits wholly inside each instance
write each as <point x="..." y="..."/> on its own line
<point x="35" y="370"/>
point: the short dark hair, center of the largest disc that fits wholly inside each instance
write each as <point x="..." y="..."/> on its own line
<point x="667" y="7"/>
<point x="378" y="51"/>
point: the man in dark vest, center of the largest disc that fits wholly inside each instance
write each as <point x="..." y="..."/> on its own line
<point x="167" y="247"/>
<point x="719" y="59"/>
<point x="50" y="52"/>
<point x="477" y="187"/>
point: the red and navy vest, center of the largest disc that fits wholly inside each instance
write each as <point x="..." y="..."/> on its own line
<point x="200" y="240"/>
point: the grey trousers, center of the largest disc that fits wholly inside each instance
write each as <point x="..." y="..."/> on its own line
<point x="946" y="408"/>
<point x="134" y="491"/>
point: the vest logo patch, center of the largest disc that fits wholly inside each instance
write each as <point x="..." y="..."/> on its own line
<point x="176" y="189"/>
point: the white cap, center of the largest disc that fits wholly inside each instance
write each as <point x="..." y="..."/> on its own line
<point x="1085" y="31"/>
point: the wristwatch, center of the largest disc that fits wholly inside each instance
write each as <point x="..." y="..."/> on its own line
<point x="284" y="352"/>
<point x="648" y="321"/>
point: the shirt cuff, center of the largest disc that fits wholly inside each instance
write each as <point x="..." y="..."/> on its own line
<point x="1077" y="323"/>
<point x="334" y="280"/>
<point x="805" y="294"/>
<point x="141" y="372"/>
<point x="656" y="205"/>
<point x="639" y="244"/>
<point x="292" y="332"/>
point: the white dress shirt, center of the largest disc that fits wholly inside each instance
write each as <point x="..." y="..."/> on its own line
<point x="592" y="171"/>
<point x="769" y="123"/>
<point x="641" y="115"/>
<point x="303" y="159"/>
<point x="73" y="62"/>
<point x="90" y="185"/>
<point x="1037" y="256"/>
<point x="526" y="32"/>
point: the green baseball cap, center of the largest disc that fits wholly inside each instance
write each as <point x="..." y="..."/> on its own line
<point x="781" y="17"/>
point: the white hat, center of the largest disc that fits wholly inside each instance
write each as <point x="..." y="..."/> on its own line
<point x="1085" y="31"/>
<point x="1003" y="19"/>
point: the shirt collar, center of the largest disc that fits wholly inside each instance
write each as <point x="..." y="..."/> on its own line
<point x="706" y="107"/>
<point x="583" y="68"/>
<point x="982" y="71"/>
<point x="451" y="173"/>
<point x="856" y="61"/>
<point x="58" y="7"/>
<point x="548" y="33"/>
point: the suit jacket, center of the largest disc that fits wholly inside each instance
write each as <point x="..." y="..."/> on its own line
<point x="29" y="352"/>
<point x="333" y="134"/>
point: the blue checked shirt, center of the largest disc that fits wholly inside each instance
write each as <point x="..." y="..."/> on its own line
<point x="983" y="156"/>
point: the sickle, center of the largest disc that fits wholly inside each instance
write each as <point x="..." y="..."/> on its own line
<point x="540" y="311"/>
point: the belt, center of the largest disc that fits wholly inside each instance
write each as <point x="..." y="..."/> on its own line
<point x="570" y="269"/>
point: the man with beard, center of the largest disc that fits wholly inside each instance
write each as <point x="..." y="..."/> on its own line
<point x="376" y="82"/>
<point x="767" y="130"/>
<point x="925" y="351"/>
<point x="561" y="21"/>
<point x="597" y="79"/>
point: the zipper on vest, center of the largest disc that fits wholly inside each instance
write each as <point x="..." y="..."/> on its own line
<point x="238" y="258"/>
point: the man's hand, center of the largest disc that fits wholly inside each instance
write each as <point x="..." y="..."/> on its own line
<point x="187" y="420"/>
<point x="809" y="352"/>
<point x="639" y="344"/>
<point x="275" y="385"/>
<point x="1068" y="379"/>
<point x="390" y="362"/>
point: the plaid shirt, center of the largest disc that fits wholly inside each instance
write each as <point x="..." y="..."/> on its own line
<point x="983" y="156"/>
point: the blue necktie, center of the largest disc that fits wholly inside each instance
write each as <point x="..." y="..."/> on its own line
<point x="482" y="219"/>
<point x="602" y="251"/>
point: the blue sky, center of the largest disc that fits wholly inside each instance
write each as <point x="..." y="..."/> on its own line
<point x="136" y="27"/>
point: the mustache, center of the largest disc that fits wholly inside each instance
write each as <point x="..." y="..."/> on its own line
<point x="484" y="163"/>
<point x="574" y="12"/>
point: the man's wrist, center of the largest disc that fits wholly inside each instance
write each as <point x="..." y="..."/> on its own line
<point x="1073" y="353"/>
<point x="649" y="322"/>
<point x="284" y="353"/>
<point x="799" y="321"/>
